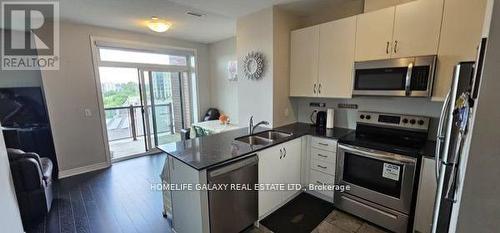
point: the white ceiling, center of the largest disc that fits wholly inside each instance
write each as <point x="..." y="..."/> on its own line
<point x="218" y="23"/>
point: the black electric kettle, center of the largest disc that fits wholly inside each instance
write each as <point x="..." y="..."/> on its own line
<point x="320" y="121"/>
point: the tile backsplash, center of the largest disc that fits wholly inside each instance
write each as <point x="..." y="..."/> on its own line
<point x="346" y="117"/>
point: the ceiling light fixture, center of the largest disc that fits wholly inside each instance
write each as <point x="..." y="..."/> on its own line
<point x="158" y="25"/>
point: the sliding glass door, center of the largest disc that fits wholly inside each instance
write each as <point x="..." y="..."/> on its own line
<point x="148" y="97"/>
<point x="123" y="105"/>
<point x="166" y="107"/>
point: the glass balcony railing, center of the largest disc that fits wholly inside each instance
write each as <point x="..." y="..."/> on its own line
<point x="128" y="122"/>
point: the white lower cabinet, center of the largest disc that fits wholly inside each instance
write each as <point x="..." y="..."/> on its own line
<point x="320" y="178"/>
<point x="322" y="162"/>
<point x="279" y="164"/>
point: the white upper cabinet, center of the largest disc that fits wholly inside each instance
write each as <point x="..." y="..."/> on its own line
<point x="406" y="30"/>
<point x="304" y="61"/>
<point x="374" y="35"/>
<point x="336" y="58"/>
<point x="416" y="28"/>
<point x="460" y="36"/>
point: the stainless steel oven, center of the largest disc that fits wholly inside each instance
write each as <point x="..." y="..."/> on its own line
<point x="381" y="185"/>
<point x="412" y="76"/>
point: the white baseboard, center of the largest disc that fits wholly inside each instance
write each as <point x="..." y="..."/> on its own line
<point x="84" y="169"/>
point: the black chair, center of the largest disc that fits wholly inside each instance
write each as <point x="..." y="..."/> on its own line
<point x="212" y="114"/>
<point x="32" y="178"/>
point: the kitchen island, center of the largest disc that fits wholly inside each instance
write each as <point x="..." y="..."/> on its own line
<point x="190" y="161"/>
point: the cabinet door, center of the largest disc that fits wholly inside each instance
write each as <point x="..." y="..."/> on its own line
<point x="336" y="58"/>
<point x="460" y="36"/>
<point x="416" y="28"/>
<point x="304" y="61"/>
<point x="270" y="168"/>
<point x="292" y="164"/>
<point x="374" y="34"/>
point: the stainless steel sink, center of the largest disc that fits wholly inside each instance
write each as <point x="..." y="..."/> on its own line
<point x="273" y="135"/>
<point x="255" y="140"/>
<point x="264" y="138"/>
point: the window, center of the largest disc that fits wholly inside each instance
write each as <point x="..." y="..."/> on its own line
<point x="117" y="55"/>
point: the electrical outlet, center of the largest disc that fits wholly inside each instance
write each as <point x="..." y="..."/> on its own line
<point x="316" y="104"/>
<point x="348" y="106"/>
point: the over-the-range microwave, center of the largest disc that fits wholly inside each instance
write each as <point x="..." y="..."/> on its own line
<point x="411" y="76"/>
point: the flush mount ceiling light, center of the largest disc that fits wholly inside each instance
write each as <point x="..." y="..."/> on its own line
<point x="158" y="25"/>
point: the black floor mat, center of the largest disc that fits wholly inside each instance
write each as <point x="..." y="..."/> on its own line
<point x="300" y="215"/>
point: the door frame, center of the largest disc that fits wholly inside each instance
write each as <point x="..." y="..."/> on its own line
<point x="136" y="46"/>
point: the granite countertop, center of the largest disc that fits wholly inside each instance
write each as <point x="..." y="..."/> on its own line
<point x="205" y="152"/>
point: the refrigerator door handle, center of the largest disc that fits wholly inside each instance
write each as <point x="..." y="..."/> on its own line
<point x="450" y="190"/>
<point x="440" y="137"/>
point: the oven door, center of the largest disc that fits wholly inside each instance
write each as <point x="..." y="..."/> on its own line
<point x="380" y="177"/>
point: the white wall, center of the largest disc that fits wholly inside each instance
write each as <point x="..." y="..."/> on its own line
<point x="254" y="32"/>
<point x="78" y="139"/>
<point x="480" y="201"/>
<point x="372" y="5"/>
<point x="10" y="218"/>
<point x="223" y="92"/>
<point x="343" y="10"/>
<point x="284" y="112"/>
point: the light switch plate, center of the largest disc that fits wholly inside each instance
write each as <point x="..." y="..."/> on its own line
<point x="88" y="112"/>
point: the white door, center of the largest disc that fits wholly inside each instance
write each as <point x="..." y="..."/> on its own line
<point x="336" y="58"/>
<point x="417" y="26"/>
<point x="292" y="161"/>
<point x="374" y="35"/>
<point x="270" y="167"/>
<point x="304" y="61"/>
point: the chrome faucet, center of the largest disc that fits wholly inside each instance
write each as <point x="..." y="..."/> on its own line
<point x="252" y="127"/>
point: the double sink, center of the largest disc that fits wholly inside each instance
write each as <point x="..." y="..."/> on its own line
<point x="263" y="138"/>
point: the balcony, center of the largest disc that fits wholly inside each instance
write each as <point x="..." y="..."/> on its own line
<point x="126" y="132"/>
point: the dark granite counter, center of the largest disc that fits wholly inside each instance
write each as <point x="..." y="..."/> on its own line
<point x="204" y="152"/>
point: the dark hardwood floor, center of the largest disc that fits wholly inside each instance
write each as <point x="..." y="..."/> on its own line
<point x="117" y="199"/>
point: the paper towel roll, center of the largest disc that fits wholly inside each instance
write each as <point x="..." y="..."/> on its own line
<point x="330" y="118"/>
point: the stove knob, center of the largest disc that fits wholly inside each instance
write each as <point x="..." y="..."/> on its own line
<point x="405" y="121"/>
<point x="412" y="121"/>
<point x="362" y="116"/>
<point x="368" y="117"/>
<point x="421" y="122"/>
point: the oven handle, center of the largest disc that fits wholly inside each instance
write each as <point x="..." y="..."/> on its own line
<point x="380" y="155"/>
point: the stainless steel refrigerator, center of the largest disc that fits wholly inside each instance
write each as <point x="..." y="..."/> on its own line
<point x="468" y="144"/>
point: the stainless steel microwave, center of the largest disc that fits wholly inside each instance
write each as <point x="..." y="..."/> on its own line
<point x="411" y="76"/>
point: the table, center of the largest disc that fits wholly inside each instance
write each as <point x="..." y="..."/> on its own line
<point x="212" y="127"/>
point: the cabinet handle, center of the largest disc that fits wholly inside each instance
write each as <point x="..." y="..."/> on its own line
<point x="387" y="47"/>
<point x="323" y="167"/>
<point x="396" y="46"/>
<point x="314" y="88"/>
<point x="324" y="156"/>
<point x="284" y="149"/>
<point x="319" y="88"/>
<point x="281" y="153"/>
<point x="322" y="144"/>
